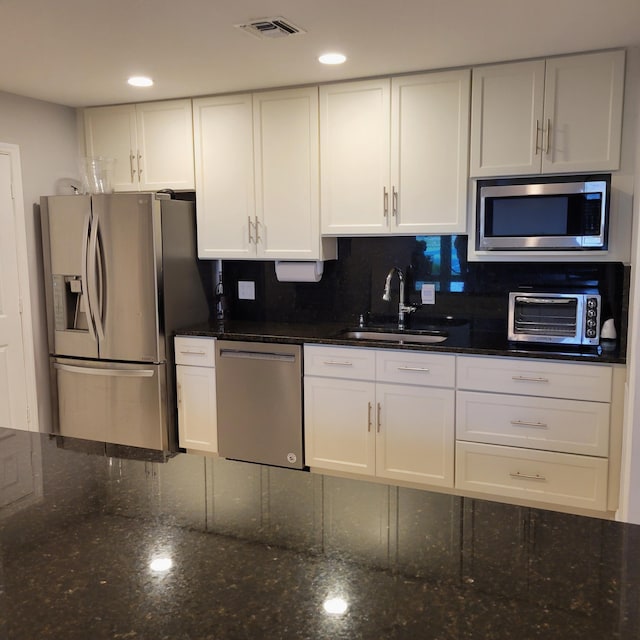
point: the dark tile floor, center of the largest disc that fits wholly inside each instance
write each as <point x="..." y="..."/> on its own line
<point x="75" y="562"/>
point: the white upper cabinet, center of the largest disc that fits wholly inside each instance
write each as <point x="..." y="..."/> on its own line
<point x="394" y="155"/>
<point x="355" y="143"/>
<point x="555" y="116"/>
<point x="257" y="176"/>
<point x="151" y="143"/>
<point x="223" y="131"/>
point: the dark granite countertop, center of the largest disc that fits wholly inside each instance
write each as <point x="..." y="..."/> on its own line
<point x="462" y="339"/>
<point x="261" y="553"/>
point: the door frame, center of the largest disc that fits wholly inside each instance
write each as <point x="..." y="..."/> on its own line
<point x="26" y="318"/>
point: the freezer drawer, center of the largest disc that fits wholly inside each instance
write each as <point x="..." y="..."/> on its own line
<point x="120" y="403"/>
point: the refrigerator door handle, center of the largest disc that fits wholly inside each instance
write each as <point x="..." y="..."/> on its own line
<point x="94" y="296"/>
<point x="85" y="279"/>
<point x="119" y="373"/>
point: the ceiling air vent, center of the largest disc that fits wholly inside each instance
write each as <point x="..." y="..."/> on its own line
<point x="271" y="28"/>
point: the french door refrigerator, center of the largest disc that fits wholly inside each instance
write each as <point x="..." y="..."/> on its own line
<point x="121" y="275"/>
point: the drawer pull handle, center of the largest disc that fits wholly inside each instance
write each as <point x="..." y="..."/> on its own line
<point x="421" y="369"/>
<point x="525" y="476"/>
<point x="529" y="379"/>
<point x="192" y="352"/>
<point x="524" y="423"/>
<point x="339" y="363"/>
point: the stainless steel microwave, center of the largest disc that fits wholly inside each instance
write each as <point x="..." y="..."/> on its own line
<point x="554" y="318"/>
<point x="569" y="213"/>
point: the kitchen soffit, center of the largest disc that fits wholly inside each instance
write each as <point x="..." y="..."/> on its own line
<point x="80" y="53"/>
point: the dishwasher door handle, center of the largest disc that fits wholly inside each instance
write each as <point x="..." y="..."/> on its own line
<point x="257" y="355"/>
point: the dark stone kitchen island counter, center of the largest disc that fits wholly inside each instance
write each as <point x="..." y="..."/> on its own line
<point x="462" y="339"/>
<point x="204" y="548"/>
<point x="76" y="554"/>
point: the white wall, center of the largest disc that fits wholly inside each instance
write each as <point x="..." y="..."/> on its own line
<point x="47" y="136"/>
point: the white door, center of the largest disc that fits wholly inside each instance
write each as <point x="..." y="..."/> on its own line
<point x="110" y="132"/>
<point x="285" y="127"/>
<point x="339" y="424"/>
<point x="429" y="152"/>
<point x="583" y="112"/>
<point x="165" y="145"/>
<point x="355" y="139"/>
<point x="197" y="422"/>
<point x="13" y="373"/>
<point x="415" y="434"/>
<point x="223" y="143"/>
<point x="506" y="119"/>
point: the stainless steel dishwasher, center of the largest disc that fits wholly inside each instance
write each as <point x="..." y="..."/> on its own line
<point x="259" y="394"/>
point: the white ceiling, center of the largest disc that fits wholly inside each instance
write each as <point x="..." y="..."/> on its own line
<point x="80" y="52"/>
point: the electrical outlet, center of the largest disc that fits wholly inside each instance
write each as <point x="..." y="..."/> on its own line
<point x="246" y="290"/>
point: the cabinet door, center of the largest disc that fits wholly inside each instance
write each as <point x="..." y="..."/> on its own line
<point x="287" y="173"/>
<point x="338" y="417"/>
<point x="110" y="132"/>
<point x="429" y="152"/>
<point x="506" y="119"/>
<point x="223" y="143"/>
<point x="165" y="145"/>
<point x="415" y="434"/>
<point x="583" y="112"/>
<point x="197" y="424"/>
<point x="354" y="151"/>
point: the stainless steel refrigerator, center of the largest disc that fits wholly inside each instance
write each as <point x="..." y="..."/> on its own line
<point x="121" y="275"/>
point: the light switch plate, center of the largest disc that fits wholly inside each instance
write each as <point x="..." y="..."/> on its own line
<point x="428" y="294"/>
<point x="246" y="290"/>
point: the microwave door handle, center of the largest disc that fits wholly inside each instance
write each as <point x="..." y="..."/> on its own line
<point x="85" y="271"/>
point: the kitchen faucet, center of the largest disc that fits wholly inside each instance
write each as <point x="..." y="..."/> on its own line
<point x="402" y="307"/>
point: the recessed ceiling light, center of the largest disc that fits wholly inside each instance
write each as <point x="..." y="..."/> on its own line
<point x="332" y="58"/>
<point x="140" y="81"/>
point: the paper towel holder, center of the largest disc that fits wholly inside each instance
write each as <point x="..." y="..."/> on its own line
<point x="299" y="270"/>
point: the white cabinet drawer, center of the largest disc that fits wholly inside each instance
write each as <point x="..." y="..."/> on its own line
<point x="413" y="367"/>
<point x="195" y="350"/>
<point x="535" y="378"/>
<point x="554" y="478"/>
<point x="354" y="363"/>
<point x="570" y="426"/>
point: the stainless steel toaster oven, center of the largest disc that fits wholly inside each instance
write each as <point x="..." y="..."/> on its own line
<point x="554" y="318"/>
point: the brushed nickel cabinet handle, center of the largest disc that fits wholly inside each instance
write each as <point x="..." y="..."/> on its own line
<point x="525" y="476"/>
<point x="133" y="171"/>
<point x="339" y="363"/>
<point x="524" y="423"/>
<point x="139" y="165"/>
<point x="538" y="146"/>
<point x="257" y="227"/>
<point x="394" y="202"/>
<point x="548" y="149"/>
<point x="379" y="418"/>
<point x="250" y="223"/>
<point x="369" y="417"/>
<point x="420" y="369"/>
<point x="529" y="379"/>
<point x="385" y="201"/>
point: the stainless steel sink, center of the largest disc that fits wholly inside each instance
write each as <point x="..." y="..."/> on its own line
<point x="400" y="337"/>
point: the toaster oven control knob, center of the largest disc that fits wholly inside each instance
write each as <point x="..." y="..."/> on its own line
<point x="591" y="323"/>
<point x="592" y="303"/>
<point x="591" y="313"/>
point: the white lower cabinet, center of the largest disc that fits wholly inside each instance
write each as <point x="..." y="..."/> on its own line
<point x="534" y="430"/>
<point x="381" y="413"/>
<point x="196" y="389"/>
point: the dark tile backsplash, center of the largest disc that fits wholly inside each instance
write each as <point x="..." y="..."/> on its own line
<point x="477" y="291"/>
